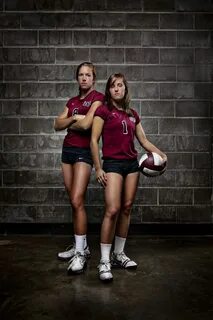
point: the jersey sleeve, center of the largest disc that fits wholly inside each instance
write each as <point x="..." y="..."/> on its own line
<point x="98" y="96"/>
<point x="101" y="112"/>
<point x="69" y="102"/>
<point x="137" y="118"/>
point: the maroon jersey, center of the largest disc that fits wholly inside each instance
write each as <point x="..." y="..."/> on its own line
<point x="118" y="133"/>
<point x="80" y="106"/>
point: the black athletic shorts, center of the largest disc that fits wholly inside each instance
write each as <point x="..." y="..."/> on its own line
<point x="123" y="167"/>
<point x="71" y="155"/>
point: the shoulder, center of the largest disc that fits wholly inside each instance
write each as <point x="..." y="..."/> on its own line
<point x="102" y="111"/>
<point x="134" y="112"/>
<point x="97" y="96"/>
<point x="135" y="115"/>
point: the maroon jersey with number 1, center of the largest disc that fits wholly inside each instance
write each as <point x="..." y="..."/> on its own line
<point x="118" y="133"/>
<point x="76" y="105"/>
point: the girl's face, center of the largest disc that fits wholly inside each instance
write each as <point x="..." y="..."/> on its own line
<point x="117" y="89"/>
<point x="85" y="78"/>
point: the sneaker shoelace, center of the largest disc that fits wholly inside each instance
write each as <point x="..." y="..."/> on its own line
<point x="76" y="256"/>
<point x="70" y="247"/>
<point x="105" y="266"/>
<point x="122" y="256"/>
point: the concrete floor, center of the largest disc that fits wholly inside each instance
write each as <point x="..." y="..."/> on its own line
<point x="174" y="281"/>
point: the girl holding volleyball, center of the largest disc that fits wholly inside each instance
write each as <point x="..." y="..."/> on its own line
<point x="118" y="124"/>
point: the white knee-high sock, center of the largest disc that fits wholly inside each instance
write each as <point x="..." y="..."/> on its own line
<point x="119" y="244"/>
<point x="105" y="251"/>
<point x="80" y="243"/>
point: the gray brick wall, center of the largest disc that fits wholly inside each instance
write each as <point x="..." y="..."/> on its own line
<point x="164" y="47"/>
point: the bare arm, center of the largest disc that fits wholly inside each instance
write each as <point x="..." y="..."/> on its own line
<point x="146" y="144"/>
<point x="63" y="121"/>
<point x="97" y="128"/>
<point x="86" y="122"/>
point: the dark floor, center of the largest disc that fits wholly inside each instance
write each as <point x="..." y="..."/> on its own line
<point x="174" y="281"/>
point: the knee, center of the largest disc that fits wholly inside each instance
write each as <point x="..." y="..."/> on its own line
<point x="112" y="212"/>
<point x="76" y="202"/>
<point x="126" y="208"/>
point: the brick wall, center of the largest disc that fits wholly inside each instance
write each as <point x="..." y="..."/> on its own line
<point x="164" y="47"/>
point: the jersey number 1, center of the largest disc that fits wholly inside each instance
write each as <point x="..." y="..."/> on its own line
<point x="124" y="124"/>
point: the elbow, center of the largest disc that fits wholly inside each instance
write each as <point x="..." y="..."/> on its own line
<point x="91" y="144"/>
<point x="85" y="124"/>
<point x="85" y="127"/>
<point x="144" y="142"/>
<point x="55" y="126"/>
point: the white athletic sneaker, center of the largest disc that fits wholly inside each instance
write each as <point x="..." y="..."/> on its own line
<point x="105" y="271"/>
<point x="70" y="252"/>
<point x="77" y="264"/>
<point x="122" y="261"/>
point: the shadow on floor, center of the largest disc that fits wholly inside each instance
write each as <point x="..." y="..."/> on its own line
<point x="173" y="281"/>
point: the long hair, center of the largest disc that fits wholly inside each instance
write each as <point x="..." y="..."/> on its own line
<point x="126" y="99"/>
<point x="86" y="64"/>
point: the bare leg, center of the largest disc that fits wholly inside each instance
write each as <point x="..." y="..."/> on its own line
<point x="119" y="258"/>
<point x="113" y="192"/>
<point x="76" y="179"/>
<point x="81" y="176"/>
<point x="128" y="196"/>
<point x="67" y="171"/>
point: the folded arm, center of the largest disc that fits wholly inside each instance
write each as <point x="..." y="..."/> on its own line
<point x="63" y="121"/>
<point x="86" y="122"/>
